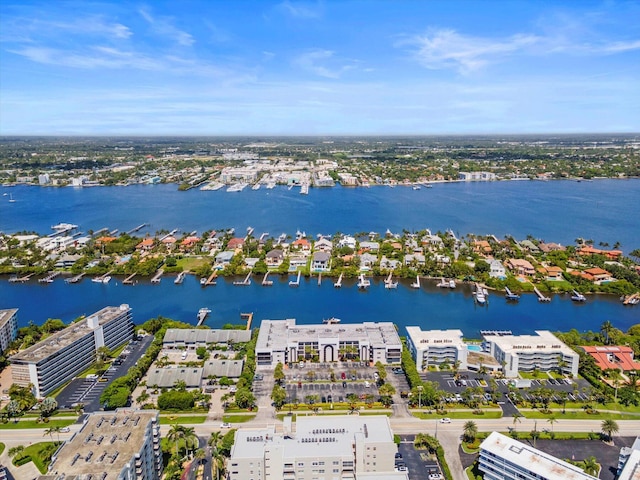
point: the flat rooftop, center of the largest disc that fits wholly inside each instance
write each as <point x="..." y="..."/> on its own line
<point x="5" y="315"/>
<point x="536" y="461"/>
<point x="68" y="336"/>
<point x="437" y="338"/>
<point x="205" y="335"/>
<point x="543" y="341"/>
<point x="278" y="334"/>
<point x="335" y="436"/>
<point x="104" y="445"/>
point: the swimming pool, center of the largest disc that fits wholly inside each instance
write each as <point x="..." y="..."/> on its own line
<point x="474" y="348"/>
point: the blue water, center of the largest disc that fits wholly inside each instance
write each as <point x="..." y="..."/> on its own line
<point x="555" y="211"/>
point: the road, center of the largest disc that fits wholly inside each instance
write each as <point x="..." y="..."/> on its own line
<point x="448" y="433"/>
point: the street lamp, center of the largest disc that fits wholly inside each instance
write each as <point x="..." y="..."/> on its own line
<point x="420" y="387"/>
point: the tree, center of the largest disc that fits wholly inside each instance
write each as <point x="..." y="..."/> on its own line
<point x="202" y="353"/>
<point x="606" y="328"/>
<point x="470" y="431"/>
<point x="14" y="410"/>
<point x="279" y="396"/>
<point x="16" y="451"/>
<point x="591" y="466"/>
<point x="609" y="427"/>
<point x="516" y="419"/>
<point x="199" y="455"/>
<point x="551" y="421"/>
<point x="278" y="374"/>
<point x="51" y="430"/>
<point x="244" y="398"/>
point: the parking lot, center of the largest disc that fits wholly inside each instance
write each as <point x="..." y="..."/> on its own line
<point x="418" y="463"/>
<point x="87" y="391"/>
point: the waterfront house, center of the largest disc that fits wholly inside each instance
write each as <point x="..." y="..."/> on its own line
<point x="274" y="258"/>
<point x="529" y="246"/>
<point x="251" y="262"/>
<point x="520" y="266"/>
<point x="224" y="258"/>
<point x="433" y="241"/>
<point x="551" y="247"/>
<point x="146" y="244"/>
<point x="482" y="247"/>
<point x="389" y="263"/>
<point x="302" y="245"/>
<point x="587" y="250"/>
<point x="597" y="274"/>
<point x="347" y="241"/>
<point x="372" y="247"/>
<point x="323" y="245"/>
<point x="496" y="269"/>
<point x="66" y="260"/>
<point x="297" y="261"/>
<point x="320" y="262"/>
<point x="367" y="261"/>
<point x="187" y="244"/>
<point x="235" y="243"/>
<point x="415" y="259"/>
<point x="552" y="273"/>
<point x="442" y="259"/>
<point x="616" y="357"/>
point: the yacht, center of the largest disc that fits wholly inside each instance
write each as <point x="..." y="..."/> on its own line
<point x="452" y="283"/>
<point x="479" y="295"/>
<point x="256" y="186"/>
<point x="578" y="297"/>
<point x="105" y="279"/>
<point x="203" y="281"/>
<point x="509" y="295"/>
<point x="331" y="321"/>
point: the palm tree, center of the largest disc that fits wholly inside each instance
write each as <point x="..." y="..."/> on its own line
<point x="16" y="451"/>
<point x="470" y="431"/>
<point x="609" y="428"/>
<point x="606" y="328"/>
<point x="176" y="432"/>
<point x="51" y="430"/>
<point x="551" y="421"/>
<point x="591" y="466"/>
<point x="516" y="419"/>
<point x="199" y="455"/>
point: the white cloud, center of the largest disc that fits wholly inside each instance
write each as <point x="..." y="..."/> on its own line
<point x="164" y="27"/>
<point x="302" y="9"/>
<point x="447" y="48"/>
<point x="315" y="61"/>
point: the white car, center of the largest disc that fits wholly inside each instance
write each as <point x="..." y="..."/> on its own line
<point x="445" y="420"/>
<point x="65" y="430"/>
<point x="225" y="425"/>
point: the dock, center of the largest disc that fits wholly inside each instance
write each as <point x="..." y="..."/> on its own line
<point x="416" y="284"/>
<point x="633" y="299"/>
<point x="296" y="282"/>
<point x="212" y="279"/>
<point x="202" y="315"/>
<point x="180" y="278"/>
<point x="157" y="277"/>
<point x="338" y="284"/>
<point x="129" y="279"/>
<point x="509" y="295"/>
<point x="363" y="283"/>
<point x="266" y="282"/>
<point x="389" y="283"/>
<point x="541" y="297"/>
<point x="320" y="279"/>
<point x="49" y="278"/>
<point x="75" y="279"/>
<point x="249" y="317"/>
<point x="134" y="230"/>
<point x="244" y="283"/>
<point x="17" y="279"/>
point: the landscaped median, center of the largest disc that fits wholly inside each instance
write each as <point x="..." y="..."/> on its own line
<point x="181" y="419"/>
<point x="458" y="414"/>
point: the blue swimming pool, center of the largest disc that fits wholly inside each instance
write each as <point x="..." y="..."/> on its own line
<point x="474" y="348"/>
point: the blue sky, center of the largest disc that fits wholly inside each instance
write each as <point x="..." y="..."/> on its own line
<point x="217" y="67"/>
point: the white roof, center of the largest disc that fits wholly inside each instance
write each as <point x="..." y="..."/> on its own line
<point x="435" y="338"/>
<point x="543" y="341"/>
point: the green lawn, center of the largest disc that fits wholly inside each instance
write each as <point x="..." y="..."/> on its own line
<point x="40" y="454"/>
<point x="466" y="414"/>
<point x="577" y="415"/>
<point x="34" y="424"/>
<point x="2" y="445"/>
<point x="190" y="264"/>
<point x="238" y="418"/>
<point x="182" y="419"/>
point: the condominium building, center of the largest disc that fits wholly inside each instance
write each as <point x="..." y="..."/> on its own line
<point x="436" y="347"/>
<point x="542" y="351"/>
<point x="201" y="337"/>
<point x="120" y="445"/>
<point x="57" y="359"/>
<point x="322" y="448"/>
<point x="629" y="462"/>
<point x="8" y="327"/>
<point x="283" y="341"/>
<point x="503" y="458"/>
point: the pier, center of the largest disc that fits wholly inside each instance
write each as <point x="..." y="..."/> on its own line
<point x="157" y="277"/>
<point x="134" y="230"/>
<point x="202" y="315"/>
<point x="509" y="295"/>
<point x="129" y="279"/>
<point x="416" y="284"/>
<point x="244" y="283"/>
<point x="49" y="278"/>
<point x="541" y="297"/>
<point x="180" y="278"/>
<point x="363" y="283"/>
<point x="631" y="299"/>
<point x="75" y="279"/>
<point x="265" y="282"/>
<point x="21" y="279"/>
<point x="211" y="280"/>
<point x="320" y="279"/>
<point x="249" y="317"/>
<point x="389" y="283"/>
<point x="296" y="282"/>
<point x="338" y="284"/>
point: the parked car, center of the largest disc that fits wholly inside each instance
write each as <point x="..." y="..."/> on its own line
<point x="445" y="420"/>
<point x="225" y="425"/>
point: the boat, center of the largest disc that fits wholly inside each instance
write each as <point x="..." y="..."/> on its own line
<point x="64" y="226"/>
<point x="304" y="189"/>
<point x="452" y="283"/>
<point x="256" y="186"/>
<point x="509" y="295"/>
<point x="416" y="284"/>
<point x="180" y="278"/>
<point x="479" y="295"/>
<point x="104" y="279"/>
<point x="363" y="283"/>
<point x="11" y="199"/>
<point x="391" y="285"/>
<point x="578" y="297"/>
<point x="428" y="185"/>
<point x="237" y="187"/>
<point x="446" y="283"/>
<point x="416" y="187"/>
<point x="331" y="321"/>
<point x="203" y="281"/>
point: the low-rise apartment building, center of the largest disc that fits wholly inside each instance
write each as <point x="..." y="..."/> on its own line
<point x="436" y="347"/>
<point x="283" y="341"/>
<point x="120" y="445"/>
<point x="503" y="458"/>
<point x="57" y="359"/>
<point x="543" y="352"/>
<point x="321" y="448"/>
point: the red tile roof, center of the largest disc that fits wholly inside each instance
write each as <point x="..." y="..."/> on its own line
<point x="616" y="357"/>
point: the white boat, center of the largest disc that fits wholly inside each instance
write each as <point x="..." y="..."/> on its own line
<point x="416" y="284"/>
<point x="11" y="199"/>
<point x="64" y="226"/>
<point x="391" y="285"/>
<point x="237" y="187"/>
<point x="479" y="296"/>
<point x="442" y="284"/>
<point x="509" y="295"/>
<point x="304" y="189"/>
<point x="179" y="279"/>
<point x="578" y="297"/>
<point x="363" y="283"/>
<point x="331" y="321"/>
<point x="416" y="187"/>
<point x="256" y="186"/>
<point x="452" y="283"/>
<point x="203" y="281"/>
<point x="104" y="279"/>
<point x="271" y="185"/>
